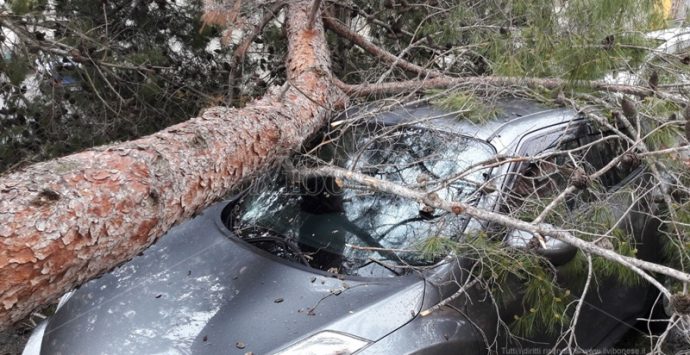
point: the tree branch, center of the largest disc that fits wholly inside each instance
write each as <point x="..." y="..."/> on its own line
<point x="436" y="79"/>
<point x="455" y="207"/>
<point x="385" y="56"/>
<point x="240" y="52"/>
<point x="391" y="88"/>
<point x="312" y="16"/>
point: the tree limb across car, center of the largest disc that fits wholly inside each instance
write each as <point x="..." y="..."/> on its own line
<point x="639" y="266"/>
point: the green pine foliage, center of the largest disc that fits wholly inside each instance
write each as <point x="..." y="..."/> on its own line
<point x="547" y="293"/>
<point x="55" y="105"/>
<point x="22" y="7"/>
<point x="16" y="67"/>
<point x="436" y="247"/>
<point x="158" y="72"/>
<point x="677" y="243"/>
<point x="468" y="105"/>
<point x="544" y="301"/>
<point x="663" y="137"/>
<point x="580" y="40"/>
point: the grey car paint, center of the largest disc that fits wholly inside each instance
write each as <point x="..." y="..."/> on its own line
<point x="201" y="290"/>
<point x="436" y="334"/>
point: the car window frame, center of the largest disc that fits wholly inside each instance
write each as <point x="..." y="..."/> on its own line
<point x="576" y="129"/>
<point x="631" y="175"/>
<point x="571" y="128"/>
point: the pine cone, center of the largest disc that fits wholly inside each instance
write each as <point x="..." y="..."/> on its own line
<point x="629" y="161"/>
<point x="608" y="42"/>
<point x="654" y="80"/>
<point x="629" y="110"/>
<point x="533" y="243"/>
<point x="680" y="303"/>
<point x="580" y="179"/>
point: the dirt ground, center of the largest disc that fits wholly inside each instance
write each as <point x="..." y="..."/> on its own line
<point x="12" y="341"/>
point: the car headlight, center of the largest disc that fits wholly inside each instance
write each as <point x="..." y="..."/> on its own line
<point x="326" y="342"/>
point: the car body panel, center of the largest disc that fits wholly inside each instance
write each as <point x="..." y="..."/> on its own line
<point x="515" y="118"/>
<point x="200" y="290"/>
<point x="673" y="42"/>
<point x="445" y="331"/>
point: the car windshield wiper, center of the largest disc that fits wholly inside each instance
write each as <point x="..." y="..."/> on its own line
<point x="269" y="235"/>
<point x="372" y="242"/>
<point x="369" y="240"/>
<point x="387" y="267"/>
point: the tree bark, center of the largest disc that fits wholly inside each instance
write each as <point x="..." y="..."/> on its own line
<point x="65" y="221"/>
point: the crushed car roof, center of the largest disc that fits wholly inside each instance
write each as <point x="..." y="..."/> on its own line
<point x="523" y="116"/>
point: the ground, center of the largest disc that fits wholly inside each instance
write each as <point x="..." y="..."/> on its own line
<point x="12" y="341"/>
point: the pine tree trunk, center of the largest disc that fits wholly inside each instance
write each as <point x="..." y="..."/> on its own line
<point x="68" y="220"/>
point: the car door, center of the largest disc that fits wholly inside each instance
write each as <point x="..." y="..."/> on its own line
<point x="610" y="202"/>
<point x="623" y="191"/>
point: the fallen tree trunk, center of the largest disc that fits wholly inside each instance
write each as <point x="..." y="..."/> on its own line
<point x="65" y="221"/>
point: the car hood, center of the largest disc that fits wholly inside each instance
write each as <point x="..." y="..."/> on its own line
<point x="200" y="290"/>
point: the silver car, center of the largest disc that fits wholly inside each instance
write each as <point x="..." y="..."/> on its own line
<point x="316" y="266"/>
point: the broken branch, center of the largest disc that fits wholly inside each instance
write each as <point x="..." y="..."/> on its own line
<point x="497" y="81"/>
<point x="312" y="16"/>
<point x="634" y="264"/>
<point x="342" y="30"/>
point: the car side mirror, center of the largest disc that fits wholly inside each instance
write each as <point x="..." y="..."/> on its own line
<point x="556" y="251"/>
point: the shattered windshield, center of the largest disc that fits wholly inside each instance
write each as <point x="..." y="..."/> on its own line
<point x="339" y="226"/>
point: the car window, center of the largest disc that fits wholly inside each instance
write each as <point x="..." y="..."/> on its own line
<point x="536" y="181"/>
<point x="605" y="147"/>
<point x="336" y="225"/>
<point x="541" y="177"/>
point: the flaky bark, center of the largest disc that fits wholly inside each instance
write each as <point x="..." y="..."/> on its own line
<point x="68" y="220"/>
